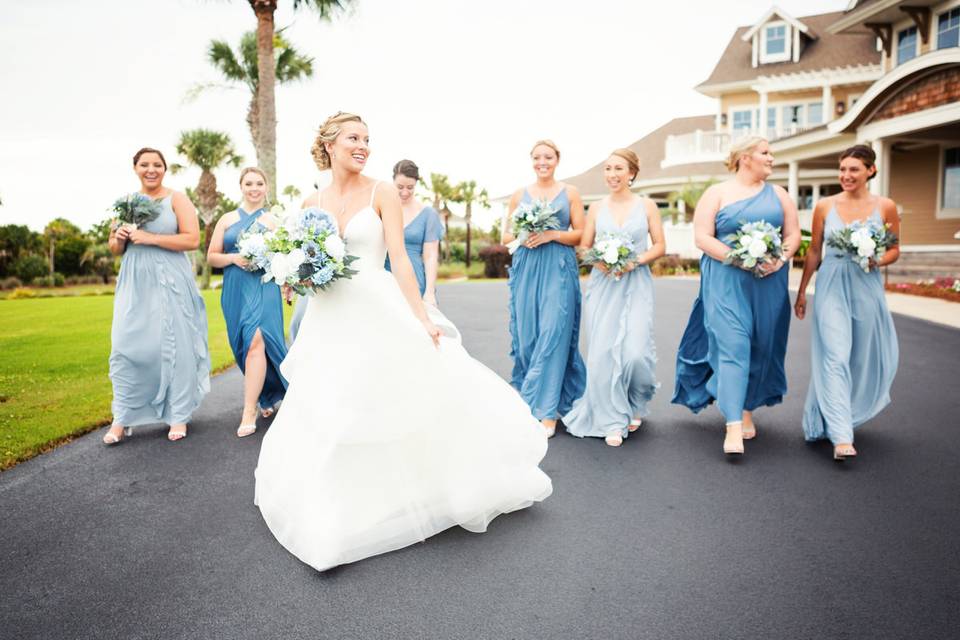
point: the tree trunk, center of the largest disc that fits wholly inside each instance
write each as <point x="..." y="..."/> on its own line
<point x="53" y="249"/>
<point x="253" y="122"/>
<point x="266" y="85"/>
<point x="466" y="219"/>
<point x="207" y="201"/>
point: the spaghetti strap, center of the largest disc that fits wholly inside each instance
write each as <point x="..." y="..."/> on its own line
<point x="373" y="192"/>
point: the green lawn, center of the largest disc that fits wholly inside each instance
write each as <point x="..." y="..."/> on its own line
<point x="53" y="370"/>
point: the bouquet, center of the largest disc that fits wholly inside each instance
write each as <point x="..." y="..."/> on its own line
<point x="252" y="243"/>
<point x="613" y="250"/>
<point x="863" y="241"/>
<point x="532" y="217"/>
<point x="134" y="210"/>
<point x="304" y="253"/>
<point x="754" y="244"/>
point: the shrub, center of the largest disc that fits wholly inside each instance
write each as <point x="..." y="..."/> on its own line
<point x="12" y="282"/>
<point x="458" y="251"/>
<point x="21" y="293"/>
<point x="56" y="280"/>
<point x="29" y="267"/>
<point x="496" y="258"/>
<point x="670" y="265"/>
<point x="87" y="279"/>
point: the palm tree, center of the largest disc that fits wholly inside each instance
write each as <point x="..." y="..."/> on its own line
<point x="240" y="66"/>
<point x="291" y="192"/>
<point x="466" y="194"/>
<point x="266" y="74"/>
<point x="208" y="150"/>
<point x="690" y="194"/>
<point x="56" y="230"/>
<point x="442" y="193"/>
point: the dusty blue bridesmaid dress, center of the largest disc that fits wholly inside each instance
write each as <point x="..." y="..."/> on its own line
<point x="425" y="227"/>
<point x="733" y="348"/>
<point x="545" y="323"/>
<point x="159" y="361"/>
<point x="621" y="355"/>
<point x="854" y="351"/>
<point x="249" y="304"/>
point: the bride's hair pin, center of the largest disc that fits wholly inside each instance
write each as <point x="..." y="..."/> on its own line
<point x="328" y="132"/>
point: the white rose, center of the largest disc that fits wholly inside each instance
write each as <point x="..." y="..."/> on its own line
<point x="296" y="258"/>
<point x="611" y="255"/>
<point x="866" y="248"/>
<point x="745" y="241"/>
<point x="280" y="268"/>
<point x="758" y="248"/>
<point x="334" y="247"/>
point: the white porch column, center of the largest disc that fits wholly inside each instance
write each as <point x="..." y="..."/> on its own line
<point x="880" y="185"/>
<point x="793" y="180"/>
<point x="718" y="119"/>
<point x="816" y="195"/>
<point x="762" y="125"/>
<point x="682" y="208"/>
<point x="827" y="103"/>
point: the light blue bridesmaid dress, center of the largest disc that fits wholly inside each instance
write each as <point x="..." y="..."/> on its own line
<point x="854" y="350"/>
<point x="159" y="361"/>
<point x="425" y="227"/>
<point x="621" y="355"/>
<point x="736" y="338"/>
<point x="545" y="323"/>
<point x="249" y="304"/>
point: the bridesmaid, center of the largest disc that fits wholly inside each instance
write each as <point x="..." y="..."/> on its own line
<point x="545" y="297"/>
<point x="159" y="361"/>
<point x="252" y="308"/>
<point x="422" y="230"/>
<point x="855" y="352"/>
<point x="621" y="356"/>
<point x="735" y="342"/>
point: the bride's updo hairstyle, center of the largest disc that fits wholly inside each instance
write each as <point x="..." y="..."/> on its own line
<point x="328" y="132"/>
<point x="742" y="148"/>
<point x="632" y="160"/>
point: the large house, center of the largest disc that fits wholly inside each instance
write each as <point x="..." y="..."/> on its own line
<point x="883" y="72"/>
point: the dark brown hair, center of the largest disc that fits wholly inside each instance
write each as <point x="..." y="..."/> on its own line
<point x="406" y="168"/>
<point x="136" y="156"/>
<point x="864" y="154"/>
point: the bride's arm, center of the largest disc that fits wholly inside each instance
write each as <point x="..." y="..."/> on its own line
<point x="387" y="202"/>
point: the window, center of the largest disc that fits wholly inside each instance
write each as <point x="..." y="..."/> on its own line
<point x="906" y="45"/>
<point x="792" y="118"/>
<point x="771" y="119"/>
<point x="804" y="197"/>
<point x="742" y="120"/>
<point x="776" y="40"/>
<point x="814" y="113"/>
<point x="951" y="179"/>
<point x="948" y="29"/>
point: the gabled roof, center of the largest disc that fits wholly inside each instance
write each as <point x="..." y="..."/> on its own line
<point x="780" y="13"/>
<point x="828" y="51"/>
<point x="651" y="149"/>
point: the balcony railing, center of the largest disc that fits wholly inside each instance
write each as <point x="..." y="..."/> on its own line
<point x="712" y="146"/>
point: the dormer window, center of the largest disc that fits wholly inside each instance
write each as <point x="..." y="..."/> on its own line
<point x="775" y="42"/>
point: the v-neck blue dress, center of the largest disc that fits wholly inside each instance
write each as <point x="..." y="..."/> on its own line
<point x="545" y="323"/>
<point x="249" y="304"/>
<point x="425" y="227"/>
<point x="736" y="339"/>
<point x="854" y="352"/>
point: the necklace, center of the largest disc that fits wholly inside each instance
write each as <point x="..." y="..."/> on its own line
<point x="344" y="198"/>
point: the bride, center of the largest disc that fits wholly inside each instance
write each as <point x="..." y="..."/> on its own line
<point x="389" y="432"/>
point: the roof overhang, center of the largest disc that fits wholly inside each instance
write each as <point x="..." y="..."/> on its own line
<point x="775" y="11"/>
<point x="878" y="93"/>
<point x="879" y="11"/>
<point x="815" y="79"/>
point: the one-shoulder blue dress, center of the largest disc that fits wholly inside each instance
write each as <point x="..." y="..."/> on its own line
<point x="425" y="227"/>
<point x="621" y="355"/>
<point x="545" y="323"/>
<point x="159" y="360"/>
<point x="854" y="352"/>
<point x="736" y="339"/>
<point x="249" y="304"/>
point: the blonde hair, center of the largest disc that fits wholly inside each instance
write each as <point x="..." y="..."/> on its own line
<point x="256" y="170"/>
<point x="546" y="143"/>
<point x="328" y="132"/>
<point x="633" y="160"/>
<point x="740" y="148"/>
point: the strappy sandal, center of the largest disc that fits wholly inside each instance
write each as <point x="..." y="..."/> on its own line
<point x="634" y="425"/>
<point x="110" y="439"/>
<point x="174" y="436"/>
<point x="749" y="433"/>
<point x="843" y="451"/>
<point x="245" y="430"/>
<point x="266" y="412"/>
<point x="732" y="444"/>
<point x="614" y="439"/>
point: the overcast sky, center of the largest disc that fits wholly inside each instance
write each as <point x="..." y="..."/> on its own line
<point x="462" y="88"/>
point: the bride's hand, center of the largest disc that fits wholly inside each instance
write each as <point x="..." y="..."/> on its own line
<point x="433" y="331"/>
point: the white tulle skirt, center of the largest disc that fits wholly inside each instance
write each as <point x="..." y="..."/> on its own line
<point x="384" y="440"/>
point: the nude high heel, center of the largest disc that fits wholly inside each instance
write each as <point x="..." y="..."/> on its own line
<point x="733" y="441"/>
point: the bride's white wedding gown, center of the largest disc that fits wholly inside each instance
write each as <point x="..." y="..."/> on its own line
<point x="384" y="440"/>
